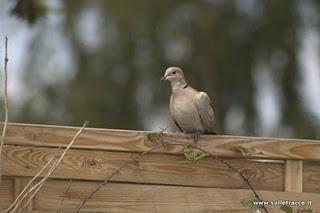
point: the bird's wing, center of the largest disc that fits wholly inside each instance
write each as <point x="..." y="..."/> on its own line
<point x="176" y="123"/>
<point x="205" y="111"/>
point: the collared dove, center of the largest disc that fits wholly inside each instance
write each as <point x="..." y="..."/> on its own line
<point x="190" y="110"/>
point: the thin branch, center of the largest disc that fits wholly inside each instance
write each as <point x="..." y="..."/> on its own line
<point x="108" y="179"/>
<point x="37" y="186"/>
<point x="5" y="103"/>
<point x="159" y="139"/>
<point x="52" y="169"/>
<point x="222" y="160"/>
<point x="31" y="197"/>
<point x="62" y="200"/>
<point x="33" y="179"/>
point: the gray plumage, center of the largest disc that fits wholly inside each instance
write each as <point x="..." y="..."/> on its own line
<point x="191" y="110"/>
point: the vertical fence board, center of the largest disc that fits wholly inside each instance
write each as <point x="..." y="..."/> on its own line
<point x="6" y="192"/>
<point x="293" y="180"/>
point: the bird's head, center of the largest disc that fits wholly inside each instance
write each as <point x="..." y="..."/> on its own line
<point x="173" y="74"/>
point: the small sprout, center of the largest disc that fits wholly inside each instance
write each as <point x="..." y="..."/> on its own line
<point x="248" y="202"/>
<point x="192" y="155"/>
<point x="286" y="208"/>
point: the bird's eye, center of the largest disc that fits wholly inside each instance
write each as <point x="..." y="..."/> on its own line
<point x="174" y="72"/>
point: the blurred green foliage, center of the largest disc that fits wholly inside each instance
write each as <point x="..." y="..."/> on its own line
<point x="30" y="10"/>
<point x="215" y="42"/>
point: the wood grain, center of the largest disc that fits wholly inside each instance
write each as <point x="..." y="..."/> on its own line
<point x="311" y="176"/>
<point x="151" y="168"/>
<point x="6" y="192"/>
<point x="147" y="198"/>
<point x="293" y="181"/>
<point x="139" y="141"/>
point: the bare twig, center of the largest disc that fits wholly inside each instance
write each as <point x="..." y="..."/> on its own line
<point x="5" y="103"/>
<point x="33" y="179"/>
<point x="108" y="179"/>
<point x="67" y="190"/>
<point x="222" y="160"/>
<point x="159" y="139"/>
<point x="38" y="186"/>
<point x="32" y="196"/>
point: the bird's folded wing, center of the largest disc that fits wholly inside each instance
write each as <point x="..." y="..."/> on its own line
<point x="205" y="111"/>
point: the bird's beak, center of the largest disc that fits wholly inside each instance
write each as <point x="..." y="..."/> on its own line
<point x="163" y="78"/>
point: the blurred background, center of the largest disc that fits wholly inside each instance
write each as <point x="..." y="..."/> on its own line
<point x="101" y="61"/>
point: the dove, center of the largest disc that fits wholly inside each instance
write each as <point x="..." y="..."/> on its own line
<point x="190" y="109"/>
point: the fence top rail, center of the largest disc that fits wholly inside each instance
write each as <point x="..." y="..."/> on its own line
<point x="139" y="141"/>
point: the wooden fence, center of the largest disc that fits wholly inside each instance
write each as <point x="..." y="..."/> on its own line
<point x="160" y="181"/>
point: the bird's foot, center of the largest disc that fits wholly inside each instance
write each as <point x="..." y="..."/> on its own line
<point x="196" y="136"/>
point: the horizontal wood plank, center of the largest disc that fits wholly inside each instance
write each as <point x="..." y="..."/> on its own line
<point x="139" y="141"/>
<point x="147" y="198"/>
<point x="151" y="168"/>
<point x="72" y="211"/>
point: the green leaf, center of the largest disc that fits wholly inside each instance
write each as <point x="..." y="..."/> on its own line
<point x="189" y="154"/>
<point x="286" y="209"/>
<point x="245" y="202"/>
<point x="248" y="202"/>
<point x="192" y="155"/>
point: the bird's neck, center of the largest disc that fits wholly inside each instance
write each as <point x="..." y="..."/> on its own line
<point x="176" y="86"/>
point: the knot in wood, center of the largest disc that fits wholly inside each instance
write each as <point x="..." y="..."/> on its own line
<point x="93" y="163"/>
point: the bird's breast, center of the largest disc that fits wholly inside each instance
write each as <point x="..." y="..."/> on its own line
<point x="185" y="113"/>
